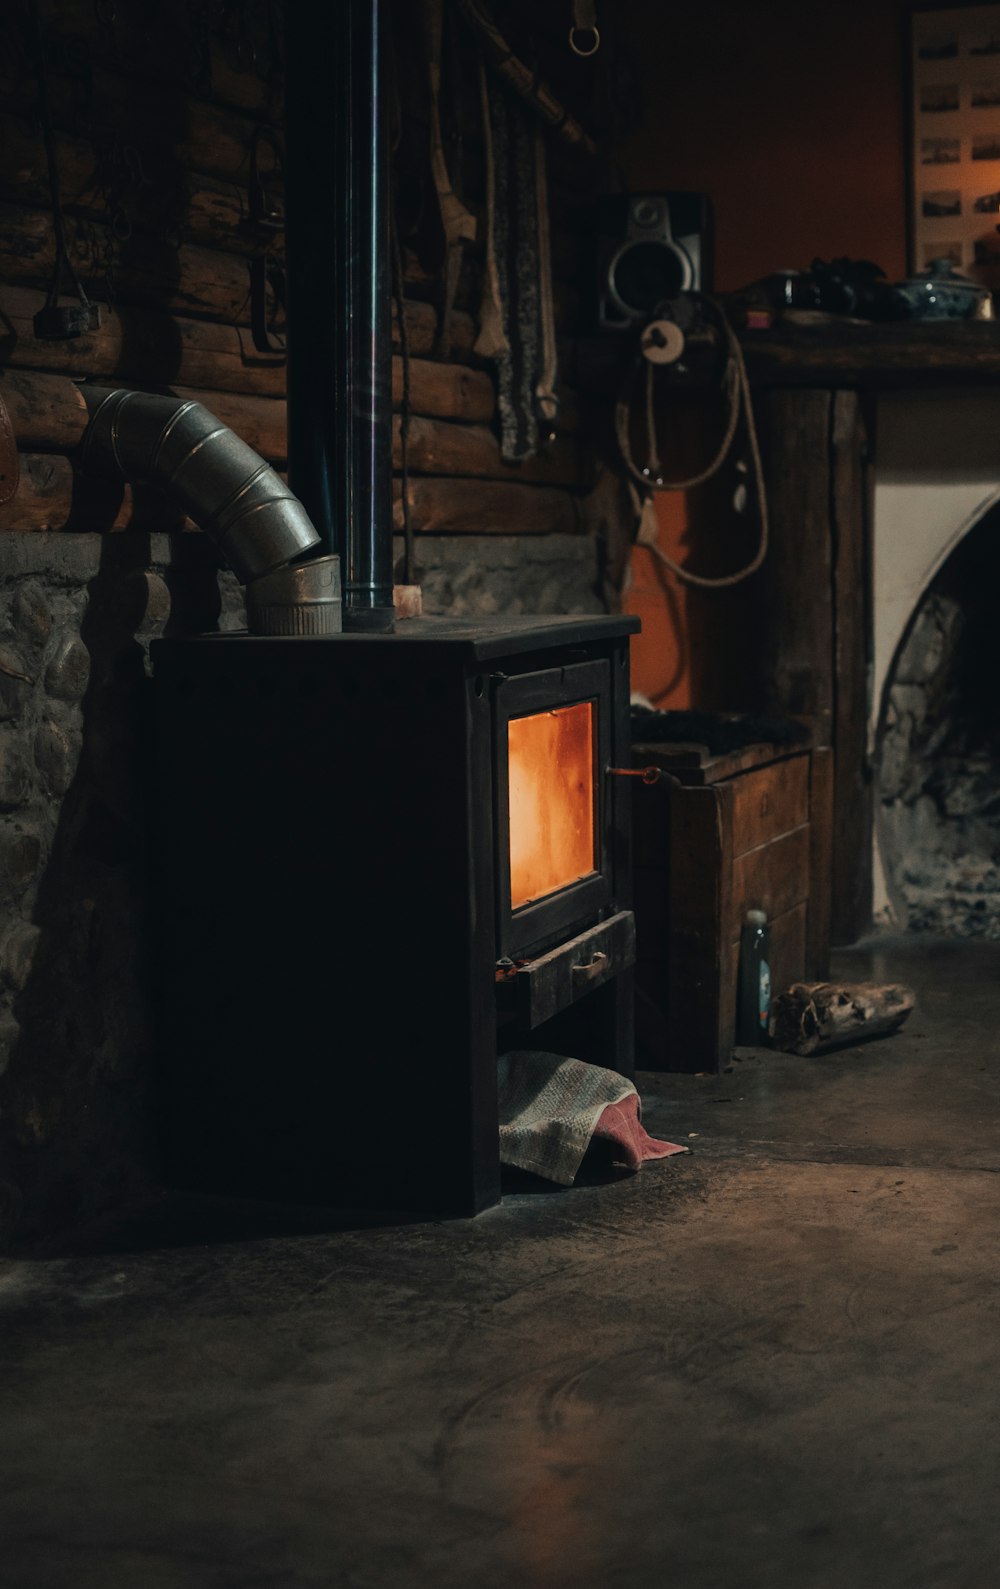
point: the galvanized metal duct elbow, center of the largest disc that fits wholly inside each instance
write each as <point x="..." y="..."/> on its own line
<point x="256" y="522"/>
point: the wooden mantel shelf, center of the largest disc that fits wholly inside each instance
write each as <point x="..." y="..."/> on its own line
<point x="849" y="354"/>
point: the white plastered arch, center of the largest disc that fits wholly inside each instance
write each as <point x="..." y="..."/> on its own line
<point x="937" y="473"/>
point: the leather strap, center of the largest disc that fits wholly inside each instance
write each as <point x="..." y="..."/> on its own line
<point x="10" y="465"/>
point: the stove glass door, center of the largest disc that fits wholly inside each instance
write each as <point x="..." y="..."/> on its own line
<point x="551" y="792"/>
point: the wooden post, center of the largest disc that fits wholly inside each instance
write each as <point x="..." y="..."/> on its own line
<point x="851" y="902"/>
<point x="794" y="629"/>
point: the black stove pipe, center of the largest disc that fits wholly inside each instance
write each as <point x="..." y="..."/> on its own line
<point x="339" y="315"/>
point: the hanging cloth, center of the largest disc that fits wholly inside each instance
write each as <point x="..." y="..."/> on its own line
<point x="545" y="388"/>
<point x="515" y="308"/>
<point x="491" y="342"/>
<point x="458" y="223"/>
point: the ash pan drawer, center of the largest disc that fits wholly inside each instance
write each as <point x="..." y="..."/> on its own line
<point x="555" y="980"/>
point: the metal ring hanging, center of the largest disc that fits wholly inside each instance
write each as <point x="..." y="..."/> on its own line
<point x="575" y="33"/>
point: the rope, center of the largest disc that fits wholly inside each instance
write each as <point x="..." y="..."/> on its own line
<point x="736" y="386"/>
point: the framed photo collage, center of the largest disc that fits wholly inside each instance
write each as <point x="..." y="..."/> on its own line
<point x="955" y="139"/>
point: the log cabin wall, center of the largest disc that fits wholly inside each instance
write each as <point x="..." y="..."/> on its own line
<point x="156" y="113"/>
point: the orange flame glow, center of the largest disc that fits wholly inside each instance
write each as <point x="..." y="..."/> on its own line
<point x="551" y="768"/>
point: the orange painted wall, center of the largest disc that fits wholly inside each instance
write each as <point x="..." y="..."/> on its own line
<point x="790" y="116"/>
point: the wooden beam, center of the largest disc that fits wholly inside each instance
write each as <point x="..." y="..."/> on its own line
<point x="874" y="356"/>
<point x="851" y="907"/>
<point x="792" y="631"/>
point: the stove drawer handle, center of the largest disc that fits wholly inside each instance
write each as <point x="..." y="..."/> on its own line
<point x="593" y="969"/>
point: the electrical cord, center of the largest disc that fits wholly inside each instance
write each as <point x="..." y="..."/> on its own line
<point x="736" y="387"/>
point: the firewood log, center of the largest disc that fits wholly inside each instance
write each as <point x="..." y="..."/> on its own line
<point x="815" y="1016"/>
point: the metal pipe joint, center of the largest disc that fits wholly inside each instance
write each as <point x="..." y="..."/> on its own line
<point x="257" y="523"/>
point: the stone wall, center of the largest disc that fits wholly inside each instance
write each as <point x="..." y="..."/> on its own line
<point x="77" y="614"/>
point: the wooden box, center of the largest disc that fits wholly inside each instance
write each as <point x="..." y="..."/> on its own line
<point x="747" y="830"/>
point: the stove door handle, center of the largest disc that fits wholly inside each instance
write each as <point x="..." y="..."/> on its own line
<point x="647" y="774"/>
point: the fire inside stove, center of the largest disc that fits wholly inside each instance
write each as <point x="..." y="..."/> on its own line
<point x="551" y="772"/>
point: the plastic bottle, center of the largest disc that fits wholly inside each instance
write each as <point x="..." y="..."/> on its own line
<point x="753" y="997"/>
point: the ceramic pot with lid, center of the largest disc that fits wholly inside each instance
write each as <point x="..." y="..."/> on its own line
<point x="941" y="293"/>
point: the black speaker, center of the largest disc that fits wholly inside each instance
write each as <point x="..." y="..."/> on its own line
<point x="651" y="247"/>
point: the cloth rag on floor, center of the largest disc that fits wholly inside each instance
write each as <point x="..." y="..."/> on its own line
<point x="551" y="1108"/>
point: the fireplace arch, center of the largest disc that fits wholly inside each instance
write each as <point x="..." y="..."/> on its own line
<point x="937" y="761"/>
<point x="936" y="518"/>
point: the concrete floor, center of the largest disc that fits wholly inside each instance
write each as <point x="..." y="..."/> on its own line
<point x="773" y="1363"/>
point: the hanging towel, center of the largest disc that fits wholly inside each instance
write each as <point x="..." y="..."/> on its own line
<point x="512" y="328"/>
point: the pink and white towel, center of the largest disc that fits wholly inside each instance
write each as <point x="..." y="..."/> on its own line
<point x="551" y="1109"/>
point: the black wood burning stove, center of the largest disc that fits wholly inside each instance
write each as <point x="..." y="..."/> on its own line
<point x="382" y="857"/>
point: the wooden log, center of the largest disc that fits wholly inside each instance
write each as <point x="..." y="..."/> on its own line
<point x="151" y="272"/>
<point x="187" y="134"/>
<point x="815" y="1016"/>
<point x="159" y="44"/>
<point x="47" y="412"/>
<point x="453" y="391"/>
<point x="445" y="391"/>
<point x="202" y="210"/>
<point x="135" y="344"/>
<point x="456" y="507"/>
<point x="438" y="448"/>
<point x="422" y="329"/>
<point x="43" y="497"/>
<point x="51" y="496"/>
<point x="259" y="421"/>
<point x="139" y="344"/>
